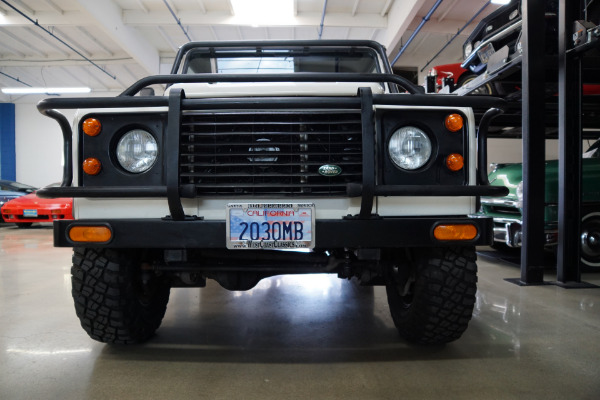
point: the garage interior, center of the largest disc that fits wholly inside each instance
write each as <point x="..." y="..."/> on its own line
<point x="536" y="319"/>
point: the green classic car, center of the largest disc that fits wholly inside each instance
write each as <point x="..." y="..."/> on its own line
<point x="507" y="211"/>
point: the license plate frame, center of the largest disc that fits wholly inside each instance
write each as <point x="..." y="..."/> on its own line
<point x="485" y="53"/>
<point x="253" y="226"/>
<point x="30" y="213"/>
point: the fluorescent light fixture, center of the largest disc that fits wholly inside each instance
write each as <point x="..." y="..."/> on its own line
<point x="49" y="90"/>
<point x="263" y="12"/>
<point x="500" y="2"/>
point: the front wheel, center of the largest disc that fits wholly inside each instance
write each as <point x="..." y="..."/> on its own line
<point x="116" y="300"/>
<point x="485" y="89"/>
<point x="590" y="240"/>
<point x="431" y="292"/>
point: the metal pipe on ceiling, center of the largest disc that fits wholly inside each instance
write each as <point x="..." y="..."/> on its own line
<point x="15" y="79"/>
<point x="177" y="20"/>
<point x="322" y="19"/>
<point x="458" y="33"/>
<point x="423" y="22"/>
<point x="35" y="22"/>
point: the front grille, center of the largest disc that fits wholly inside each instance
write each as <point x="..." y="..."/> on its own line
<point x="270" y="153"/>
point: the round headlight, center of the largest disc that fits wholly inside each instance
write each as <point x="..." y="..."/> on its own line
<point x="409" y="148"/>
<point x="468" y="49"/>
<point x="137" y="151"/>
<point x="519" y="193"/>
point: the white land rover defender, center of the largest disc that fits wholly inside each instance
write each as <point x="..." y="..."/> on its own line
<point x="260" y="147"/>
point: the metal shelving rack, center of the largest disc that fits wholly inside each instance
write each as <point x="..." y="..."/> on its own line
<point x="535" y="116"/>
<point x="570" y="126"/>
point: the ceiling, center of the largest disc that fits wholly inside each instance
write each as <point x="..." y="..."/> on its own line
<point x="126" y="40"/>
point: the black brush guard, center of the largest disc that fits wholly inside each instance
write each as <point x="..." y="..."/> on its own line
<point x="364" y="101"/>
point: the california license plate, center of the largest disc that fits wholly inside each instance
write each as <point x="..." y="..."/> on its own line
<point x="270" y="226"/>
<point x="30" y="213"/>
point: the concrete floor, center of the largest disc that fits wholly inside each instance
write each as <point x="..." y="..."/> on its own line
<point x="302" y="337"/>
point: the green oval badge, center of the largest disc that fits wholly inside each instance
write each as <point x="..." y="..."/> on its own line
<point x="330" y="170"/>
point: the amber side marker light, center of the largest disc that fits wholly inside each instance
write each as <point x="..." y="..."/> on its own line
<point x="455" y="232"/>
<point x="90" y="234"/>
<point x="455" y="162"/>
<point x="454" y="122"/>
<point x="92" y="166"/>
<point x="92" y="127"/>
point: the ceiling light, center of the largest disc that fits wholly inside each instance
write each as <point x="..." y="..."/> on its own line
<point x="263" y="12"/>
<point x="500" y="2"/>
<point x="50" y="90"/>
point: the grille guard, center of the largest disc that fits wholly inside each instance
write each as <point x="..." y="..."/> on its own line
<point x="365" y="101"/>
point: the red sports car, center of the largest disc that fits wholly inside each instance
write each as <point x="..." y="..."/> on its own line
<point x="463" y="76"/>
<point x="26" y="210"/>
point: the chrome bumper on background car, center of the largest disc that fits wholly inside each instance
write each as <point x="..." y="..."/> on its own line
<point x="509" y="231"/>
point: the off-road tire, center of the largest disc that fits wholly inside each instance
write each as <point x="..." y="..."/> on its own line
<point x="113" y="303"/>
<point x="435" y="305"/>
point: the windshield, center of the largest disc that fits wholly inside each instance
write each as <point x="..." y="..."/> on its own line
<point x="19" y="187"/>
<point x="227" y="61"/>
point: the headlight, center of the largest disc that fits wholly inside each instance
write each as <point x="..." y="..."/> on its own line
<point x="409" y="148"/>
<point x="137" y="151"/>
<point x="468" y="49"/>
<point x="519" y="192"/>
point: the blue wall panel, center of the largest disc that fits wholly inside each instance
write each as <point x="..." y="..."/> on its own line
<point x="8" y="168"/>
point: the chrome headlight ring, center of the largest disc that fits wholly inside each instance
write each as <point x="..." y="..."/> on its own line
<point x="409" y="148"/>
<point x="468" y="49"/>
<point x="137" y="151"/>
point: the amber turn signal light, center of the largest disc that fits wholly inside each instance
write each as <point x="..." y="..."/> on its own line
<point x="92" y="166"/>
<point x="455" y="232"/>
<point x="92" y="127"/>
<point x="455" y="162"/>
<point x="454" y="122"/>
<point x="90" y="234"/>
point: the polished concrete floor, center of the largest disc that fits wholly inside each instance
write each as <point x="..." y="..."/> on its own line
<point x="292" y="337"/>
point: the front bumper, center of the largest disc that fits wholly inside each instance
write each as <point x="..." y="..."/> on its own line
<point x="509" y="231"/>
<point x="342" y="233"/>
<point x="42" y="216"/>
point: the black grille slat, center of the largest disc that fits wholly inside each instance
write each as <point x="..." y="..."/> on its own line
<point x="264" y="153"/>
<point x="270" y="153"/>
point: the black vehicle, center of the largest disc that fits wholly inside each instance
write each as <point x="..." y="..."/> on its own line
<point x="500" y="32"/>
<point x="259" y="147"/>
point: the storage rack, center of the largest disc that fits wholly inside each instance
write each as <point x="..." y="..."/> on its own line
<point x="550" y="104"/>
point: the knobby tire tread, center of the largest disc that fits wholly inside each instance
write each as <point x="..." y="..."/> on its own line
<point x="443" y="296"/>
<point x="105" y="298"/>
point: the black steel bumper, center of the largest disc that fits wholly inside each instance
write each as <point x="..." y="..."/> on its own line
<point x="342" y="233"/>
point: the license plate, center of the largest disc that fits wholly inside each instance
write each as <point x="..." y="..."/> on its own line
<point x="270" y="226"/>
<point x="485" y="53"/>
<point x="30" y="213"/>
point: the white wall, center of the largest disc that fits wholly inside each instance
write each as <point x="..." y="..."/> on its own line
<point x="38" y="146"/>
<point x="511" y="150"/>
